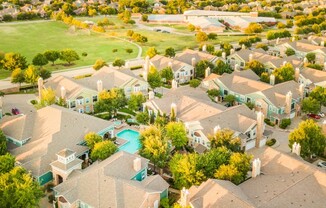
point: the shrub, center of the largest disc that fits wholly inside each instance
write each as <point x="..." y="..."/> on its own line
<point x="212" y="36"/>
<point x="285" y="123"/>
<point x="84" y="54"/>
<point x="270" y="142"/>
<point x="115" y="50"/>
<point x="194" y="83"/>
<point x="268" y="122"/>
<point x="51" y="198"/>
<point x="34" y="102"/>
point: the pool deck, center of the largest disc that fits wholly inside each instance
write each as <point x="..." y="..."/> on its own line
<point x="120" y="142"/>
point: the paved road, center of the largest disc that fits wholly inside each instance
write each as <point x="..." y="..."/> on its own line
<point x="24" y="22"/>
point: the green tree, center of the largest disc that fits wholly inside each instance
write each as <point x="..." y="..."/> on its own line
<point x="18" y="189"/>
<point x="143" y="117"/>
<point x="167" y="74"/>
<point x="103" y="150"/>
<point x="281" y="25"/>
<point x="154" y="146"/>
<point x="242" y="162"/>
<point x="99" y="63"/>
<point x="319" y="93"/>
<point x="48" y="97"/>
<point x="310" y="105"/>
<point x="3" y="143"/>
<point x="92" y="138"/>
<point x="311" y="138"/>
<point x="191" y="27"/>
<point x="176" y="132"/>
<point x="284" y="73"/>
<point x="17" y="76"/>
<point x="311" y="57"/>
<point x="13" y="61"/>
<point x="194" y="83"/>
<point x="201" y="66"/>
<point x="7" y="163"/>
<point x="40" y="60"/>
<point x="225" y="138"/>
<point x="230" y="99"/>
<point x="254" y="28"/>
<point x="289" y="52"/>
<point x="212" y="36"/>
<point x="31" y="75"/>
<point x="135" y="101"/>
<point x="113" y="99"/>
<point x="151" y="52"/>
<point x="154" y="78"/>
<point x="119" y="63"/>
<point x="69" y="56"/>
<point x="255" y="66"/>
<point x="144" y="17"/>
<point x="228" y="172"/>
<point x="129" y="50"/>
<point x="201" y="37"/>
<point x="222" y="68"/>
<point x="289" y="23"/>
<point x="45" y="74"/>
<point x="52" y="55"/>
<point x="169" y="52"/>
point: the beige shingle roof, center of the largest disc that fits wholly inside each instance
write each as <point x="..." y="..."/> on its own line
<point x="54" y="128"/>
<point x="108" y="184"/>
<point x="187" y="55"/>
<point x="304" y="46"/>
<point x="161" y="62"/>
<point x="314" y="75"/>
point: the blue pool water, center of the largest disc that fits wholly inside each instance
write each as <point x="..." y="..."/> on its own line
<point x="132" y="137"/>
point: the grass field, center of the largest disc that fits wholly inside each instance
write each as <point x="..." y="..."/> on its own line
<point x="30" y="39"/>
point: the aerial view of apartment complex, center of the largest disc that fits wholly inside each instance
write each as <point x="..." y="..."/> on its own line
<point x="162" y="104"/>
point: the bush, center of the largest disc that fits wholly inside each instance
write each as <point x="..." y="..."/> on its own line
<point x="268" y="122"/>
<point x="212" y="36"/>
<point x="115" y="50"/>
<point x="51" y="198"/>
<point x="270" y="142"/>
<point x="285" y="123"/>
<point x="194" y="83"/>
<point x="34" y="102"/>
<point x="213" y="92"/>
<point x="84" y="54"/>
<point x="49" y="187"/>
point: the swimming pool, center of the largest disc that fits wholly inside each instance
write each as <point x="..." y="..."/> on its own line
<point x="132" y="138"/>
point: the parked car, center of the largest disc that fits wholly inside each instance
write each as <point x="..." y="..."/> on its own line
<point x="15" y="111"/>
<point x="315" y="116"/>
<point x="157" y="30"/>
<point x="164" y="31"/>
<point x="321" y="114"/>
<point x="322" y="164"/>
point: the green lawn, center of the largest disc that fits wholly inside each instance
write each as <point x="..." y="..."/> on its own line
<point x="30" y="39"/>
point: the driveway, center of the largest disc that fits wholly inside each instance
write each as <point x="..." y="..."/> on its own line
<point x="20" y="101"/>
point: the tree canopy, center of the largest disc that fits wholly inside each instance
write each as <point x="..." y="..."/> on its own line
<point x="225" y="137"/>
<point x="284" y="73"/>
<point x="31" y="75"/>
<point x="52" y="55"/>
<point x="103" y="150"/>
<point x="176" y="132"/>
<point x="254" y="28"/>
<point x="12" y="61"/>
<point x="154" y="78"/>
<point x="135" y="101"/>
<point x="169" y="52"/>
<point x="40" y="60"/>
<point x="3" y="143"/>
<point x="310" y="105"/>
<point x="69" y="55"/>
<point x="99" y="64"/>
<point x="167" y="74"/>
<point x="256" y="66"/>
<point x="91" y="138"/>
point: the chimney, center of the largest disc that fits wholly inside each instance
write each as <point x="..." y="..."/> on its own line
<point x="325" y="66"/>
<point x="207" y="72"/>
<point x="184" y="199"/>
<point x="293" y="39"/>
<point x="250" y="57"/>
<point x="127" y="65"/>
<point x="204" y="48"/>
<point x="324" y="126"/>
<point x="170" y="64"/>
<point x="322" y="43"/>
<point x="40" y="87"/>
<point x="297" y="74"/>
<point x="296" y="148"/>
<point x="277" y="41"/>
<point x="284" y="63"/>
<point x="216" y="129"/>
<point x="310" y="38"/>
<point x="301" y="91"/>
<point x="146" y="64"/>
<point x="174" y="84"/>
<point x="288" y="102"/>
<point x="272" y="79"/>
<point x="137" y="164"/>
<point x="236" y="67"/>
<point x="63" y="92"/>
<point x="223" y="55"/>
<point x="243" y="46"/>
<point x="232" y="51"/>
<point x="193" y="61"/>
<point x="99" y="85"/>
<point x="305" y="60"/>
<point x="256" y="165"/>
<point x="151" y="95"/>
<point x="145" y="75"/>
<point x="260" y="128"/>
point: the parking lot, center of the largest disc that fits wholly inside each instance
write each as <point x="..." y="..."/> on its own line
<point x="19" y="101"/>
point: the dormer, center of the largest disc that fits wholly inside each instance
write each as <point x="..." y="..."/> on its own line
<point x="65" y="156"/>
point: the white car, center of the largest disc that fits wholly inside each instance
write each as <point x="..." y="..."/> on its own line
<point x="321" y="114"/>
<point x="322" y="164"/>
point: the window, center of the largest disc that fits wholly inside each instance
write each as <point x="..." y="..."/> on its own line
<point x="94" y="98"/>
<point x="87" y="109"/>
<point x="241" y="64"/>
<point x="87" y="100"/>
<point x="258" y="104"/>
<point x="72" y="104"/>
<point x="191" y="72"/>
<point x="80" y="101"/>
<point x="225" y="92"/>
<point x="81" y="110"/>
<point x="136" y="89"/>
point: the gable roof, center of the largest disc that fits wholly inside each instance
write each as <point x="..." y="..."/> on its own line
<point x="161" y="62"/>
<point x="53" y="129"/>
<point x="314" y="75"/>
<point x="257" y="54"/>
<point x="205" y="22"/>
<point x="305" y="46"/>
<point x="187" y="55"/>
<point x="111" y="183"/>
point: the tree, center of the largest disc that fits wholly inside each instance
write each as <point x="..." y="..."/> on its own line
<point x="222" y="67"/>
<point x="194" y="83"/>
<point x="281" y="25"/>
<point x="129" y="50"/>
<point x="201" y="37"/>
<point x="40" y="60"/>
<point x="103" y="150"/>
<point x="69" y="55"/>
<point x="144" y="17"/>
<point x="212" y="36"/>
<point x="48" y="97"/>
<point x="230" y="99"/>
<point x="151" y="52"/>
<point x="45" y="74"/>
<point x="225" y="138"/>
<point x="289" y="23"/>
<point x="113" y="99"/>
<point x="191" y="27"/>
<point x="311" y="57"/>
<point x="311" y="138"/>
<point x="254" y="28"/>
<point x="18" y="189"/>
<point x="154" y="146"/>
<point x="17" y="76"/>
<point x="3" y="143"/>
<point x="143" y="117"/>
<point x="200" y="68"/>
<point x="119" y="63"/>
<point x="7" y="163"/>
<point x="31" y="75"/>
<point x="242" y="162"/>
<point x="167" y="74"/>
<point x="13" y="61"/>
<point x="176" y="132"/>
<point x="135" y="101"/>
<point x="52" y="55"/>
<point x="289" y="52"/>
<point x="99" y="64"/>
<point x="255" y="66"/>
<point x="228" y="172"/>
<point x="319" y="94"/>
<point x="262" y="46"/>
<point x="284" y="73"/>
<point x="169" y="52"/>
<point x="154" y="78"/>
<point x="310" y="105"/>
